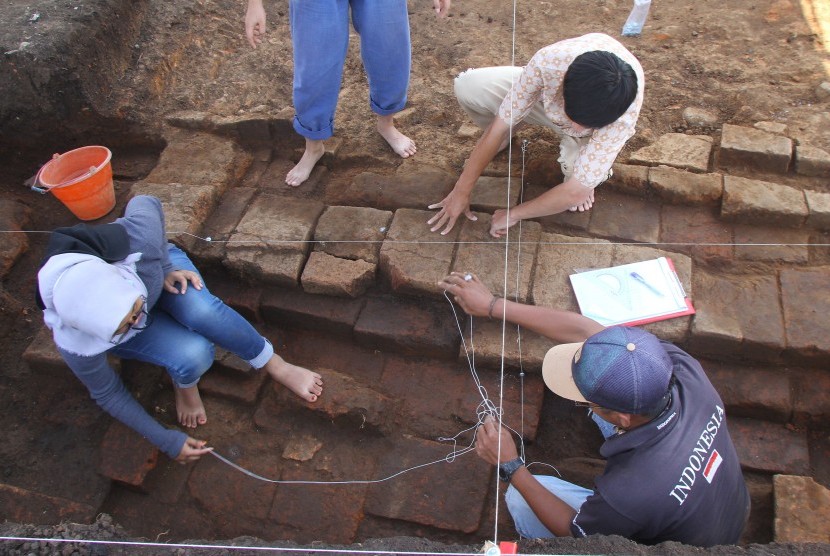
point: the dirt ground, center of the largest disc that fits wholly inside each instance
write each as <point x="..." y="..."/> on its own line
<point x="745" y="61"/>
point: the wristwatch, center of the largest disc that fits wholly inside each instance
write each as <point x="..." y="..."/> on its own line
<point x="507" y="468"/>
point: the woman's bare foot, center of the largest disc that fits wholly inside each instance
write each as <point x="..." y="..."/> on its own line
<point x="584" y="206"/>
<point x="400" y="143"/>
<point x="189" y="407"/>
<point x="306" y="384"/>
<point x="314" y="150"/>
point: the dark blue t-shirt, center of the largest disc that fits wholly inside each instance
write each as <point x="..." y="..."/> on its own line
<point x="675" y="478"/>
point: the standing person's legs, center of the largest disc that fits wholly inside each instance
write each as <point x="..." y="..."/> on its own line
<point x="527" y="524"/>
<point x="209" y="316"/>
<point x="386" y="51"/>
<point x="320" y="39"/>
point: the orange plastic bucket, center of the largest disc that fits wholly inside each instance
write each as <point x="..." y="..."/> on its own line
<point x="81" y="179"/>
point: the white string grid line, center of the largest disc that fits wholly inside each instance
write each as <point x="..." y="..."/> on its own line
<point x="607" y="243"/>
<point x="232" y="547"/>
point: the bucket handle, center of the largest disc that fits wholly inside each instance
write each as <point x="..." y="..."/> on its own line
<point x="38" y="188"/>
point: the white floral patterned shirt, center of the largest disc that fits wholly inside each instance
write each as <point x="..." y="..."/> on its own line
<point x="541" y="80"/>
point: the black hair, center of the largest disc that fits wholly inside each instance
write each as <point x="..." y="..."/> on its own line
<point x="598" y="88"/>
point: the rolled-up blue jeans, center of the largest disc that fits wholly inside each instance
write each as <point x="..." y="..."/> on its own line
<point x="320" y="37"/>
<point x="527" y="524"/>
<point x="184" y="328"/>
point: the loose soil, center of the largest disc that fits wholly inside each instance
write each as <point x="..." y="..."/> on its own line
<point x="745" y="61"/>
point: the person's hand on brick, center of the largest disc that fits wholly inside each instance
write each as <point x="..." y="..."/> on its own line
<point x="469" y="292"/>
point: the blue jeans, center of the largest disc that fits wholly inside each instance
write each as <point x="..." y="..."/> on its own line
<point x="185" y="327"/>
<point x="320" y="37"/>
<point x="527" y="524"/>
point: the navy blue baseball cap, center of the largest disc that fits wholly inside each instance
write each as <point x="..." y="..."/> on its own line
<point x="621" y="368"/>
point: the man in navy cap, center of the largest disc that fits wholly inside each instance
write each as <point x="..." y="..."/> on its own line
<point x="672" y="473"/>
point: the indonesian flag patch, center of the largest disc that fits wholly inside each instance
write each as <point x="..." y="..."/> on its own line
<point x="712" y="466"/>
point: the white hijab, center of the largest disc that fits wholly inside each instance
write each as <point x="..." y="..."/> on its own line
<point x="86" y="299"/>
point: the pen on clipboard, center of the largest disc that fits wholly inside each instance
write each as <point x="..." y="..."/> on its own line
<point x="642" y="280"/>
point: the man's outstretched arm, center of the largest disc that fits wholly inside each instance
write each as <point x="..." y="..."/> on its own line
<point x="477" y="300"/>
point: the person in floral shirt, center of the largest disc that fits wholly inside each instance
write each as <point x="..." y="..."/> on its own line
<point x="589" y="89"/>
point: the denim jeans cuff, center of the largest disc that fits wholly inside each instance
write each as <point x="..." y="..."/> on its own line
<point x="314" y="135"/>
<point x="394" y="109"/>
<point x="264" y="356"/>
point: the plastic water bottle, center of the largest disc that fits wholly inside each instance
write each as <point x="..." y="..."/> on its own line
<point x="636" y="19"/>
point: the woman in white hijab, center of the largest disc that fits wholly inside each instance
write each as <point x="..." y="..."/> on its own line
<point x="121" y="288"/>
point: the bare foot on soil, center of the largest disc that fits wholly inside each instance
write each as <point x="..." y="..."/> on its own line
<point x="584" y="206"/>
<point x="189" y="407"/>
<point x="306" y="384"/>
<point x="400" y="143"/>
<point x="314" y="150"/>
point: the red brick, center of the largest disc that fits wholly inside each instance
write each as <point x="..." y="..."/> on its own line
<point x="26" y="506"/>
<point x="413" y="259"/>
<point x="680" y="187"/>
<point x="723" y="326"/>
<point x="202" y="159"/>
<point x="267" y="414"/>
<point x="689" y="229"/>
<point x="126" y="457"/>
<point x="224" y="491"/>
<point x="429" y="395"/>
<point x="414" y="328"/>
<point x="771" y="448"/>
<point x="43" y="357"/>
<point x="415" y="186"/>
<point x="625" y="217"/>
<point x="168" y="481"/>
<point x="811" y="397"/>
<point x="690" y="152"/>
<point x="771" y="244"/>
<point x="491" y="193"/>
<point x="319" y="312"/>
<point x="243" y="300"/>
<point x="759" y="393"/>
<point x="233" y="379"/>
<point x="628" y="179"/>
<point x="317" y="350"/>
<point x="325" y="274"/>
<point x="484" y="255"/>
<point x="364" y="190"/>
<point x="762" y="203"/>
<point x="343" y="397"/>
<point x="313" y="512"/>
<point x="352" y="232"/>
<point x="220" y="225"/>
<point x="754" y="149"/>
<point x="805" y="296"/>
<point x="272" y="239"/>
<point x="802" y="510"/>
<point x="490" y="346"/>
<point x="444" y="495"/>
